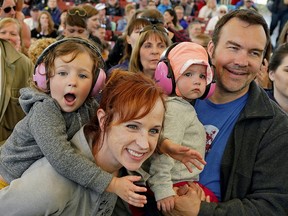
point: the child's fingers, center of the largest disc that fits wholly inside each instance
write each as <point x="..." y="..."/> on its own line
<point x="137" y="200"/>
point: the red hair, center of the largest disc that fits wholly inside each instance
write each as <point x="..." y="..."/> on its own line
<point x="125" y="94"/>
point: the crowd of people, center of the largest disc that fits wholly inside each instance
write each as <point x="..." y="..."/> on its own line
<point x="142" y="108"/>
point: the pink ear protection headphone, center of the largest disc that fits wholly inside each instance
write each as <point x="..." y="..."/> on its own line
<point x="164" y="76"/>
<point x="40" y="71"/>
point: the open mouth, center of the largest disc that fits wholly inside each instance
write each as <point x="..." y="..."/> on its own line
<point x="70" y="97"/>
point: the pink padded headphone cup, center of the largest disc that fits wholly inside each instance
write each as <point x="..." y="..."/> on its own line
<point x="160" y="76"/>
<point x="99" y="83"/>
<point x="40" y="76"/>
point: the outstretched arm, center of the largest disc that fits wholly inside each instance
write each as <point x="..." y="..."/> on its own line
<point x="183" y="154"/>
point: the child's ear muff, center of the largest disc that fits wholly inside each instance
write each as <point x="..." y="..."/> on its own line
<point x="40" y="71"/>
<point x="210" y="88"/>
<point x="164" y="75"/>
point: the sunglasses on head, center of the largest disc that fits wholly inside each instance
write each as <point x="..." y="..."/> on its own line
<point x="155" y="28"/>
<point x="153" y="21"/>
<point x="8" y="9"/>
<point x="81" y="13"/>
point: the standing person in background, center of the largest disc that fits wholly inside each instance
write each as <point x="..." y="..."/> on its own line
<point x="279" y="77"/>
<point x="54" y="10"/>
<point x="283" y="38"/>
<point x="240" y="120"/>
<point x="152" y="41"/>
<point x="279" y="15"/>
<point x="16" y="70"/>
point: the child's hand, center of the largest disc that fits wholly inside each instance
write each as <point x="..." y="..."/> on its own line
<point x="127" y="190"/>
<point x="183" y="154"/>
<point x="166" y="204"/>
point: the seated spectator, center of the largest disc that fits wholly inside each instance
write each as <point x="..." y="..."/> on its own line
<point x="171" y="20"/>
<point x="151" y="4"/>
<point x="155" y="17"/>
<point x="164" y="5"/>
<point x="13" y="9"/>
<point x="113" y="8"/>
<point x="194" y="29"/>
<point x="180" y="16"/>
<point x="10" y="30"/>
<point x="142" y="4"/>
<point x="76" y="26"/>
<point x="100" y="32"/>
<point x="241" y="4"/>
<point x="209" y="10"/>
<point x="62" y="21"/>
<point x="129" y="38"/>
<point x="278" y="75"/>
<point x="32" y="21"/>
<point x="186" y="7"/>
<point x="55" y="12"/>
<point x="129" y="11"/>
<point x="221" y="11"/>
<point x="249" y="4"/>
<point x="46" y="27"/>
<point x="101" y="7"/>
<point x="93" y="21"/>
<point x="202" y="39"/>
<point x="27" y="6"/>
<point x="153" y="40"/>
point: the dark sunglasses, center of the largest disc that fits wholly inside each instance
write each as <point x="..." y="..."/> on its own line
<point x="8" y="9"/>
<point x="76" y="11"/>
<point x="155" y="28"/>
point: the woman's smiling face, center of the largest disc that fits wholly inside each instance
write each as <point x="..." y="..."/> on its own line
<point x="130" y="143"/>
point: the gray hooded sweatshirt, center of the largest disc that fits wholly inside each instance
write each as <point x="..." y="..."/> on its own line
<point x="46" y="131"/>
